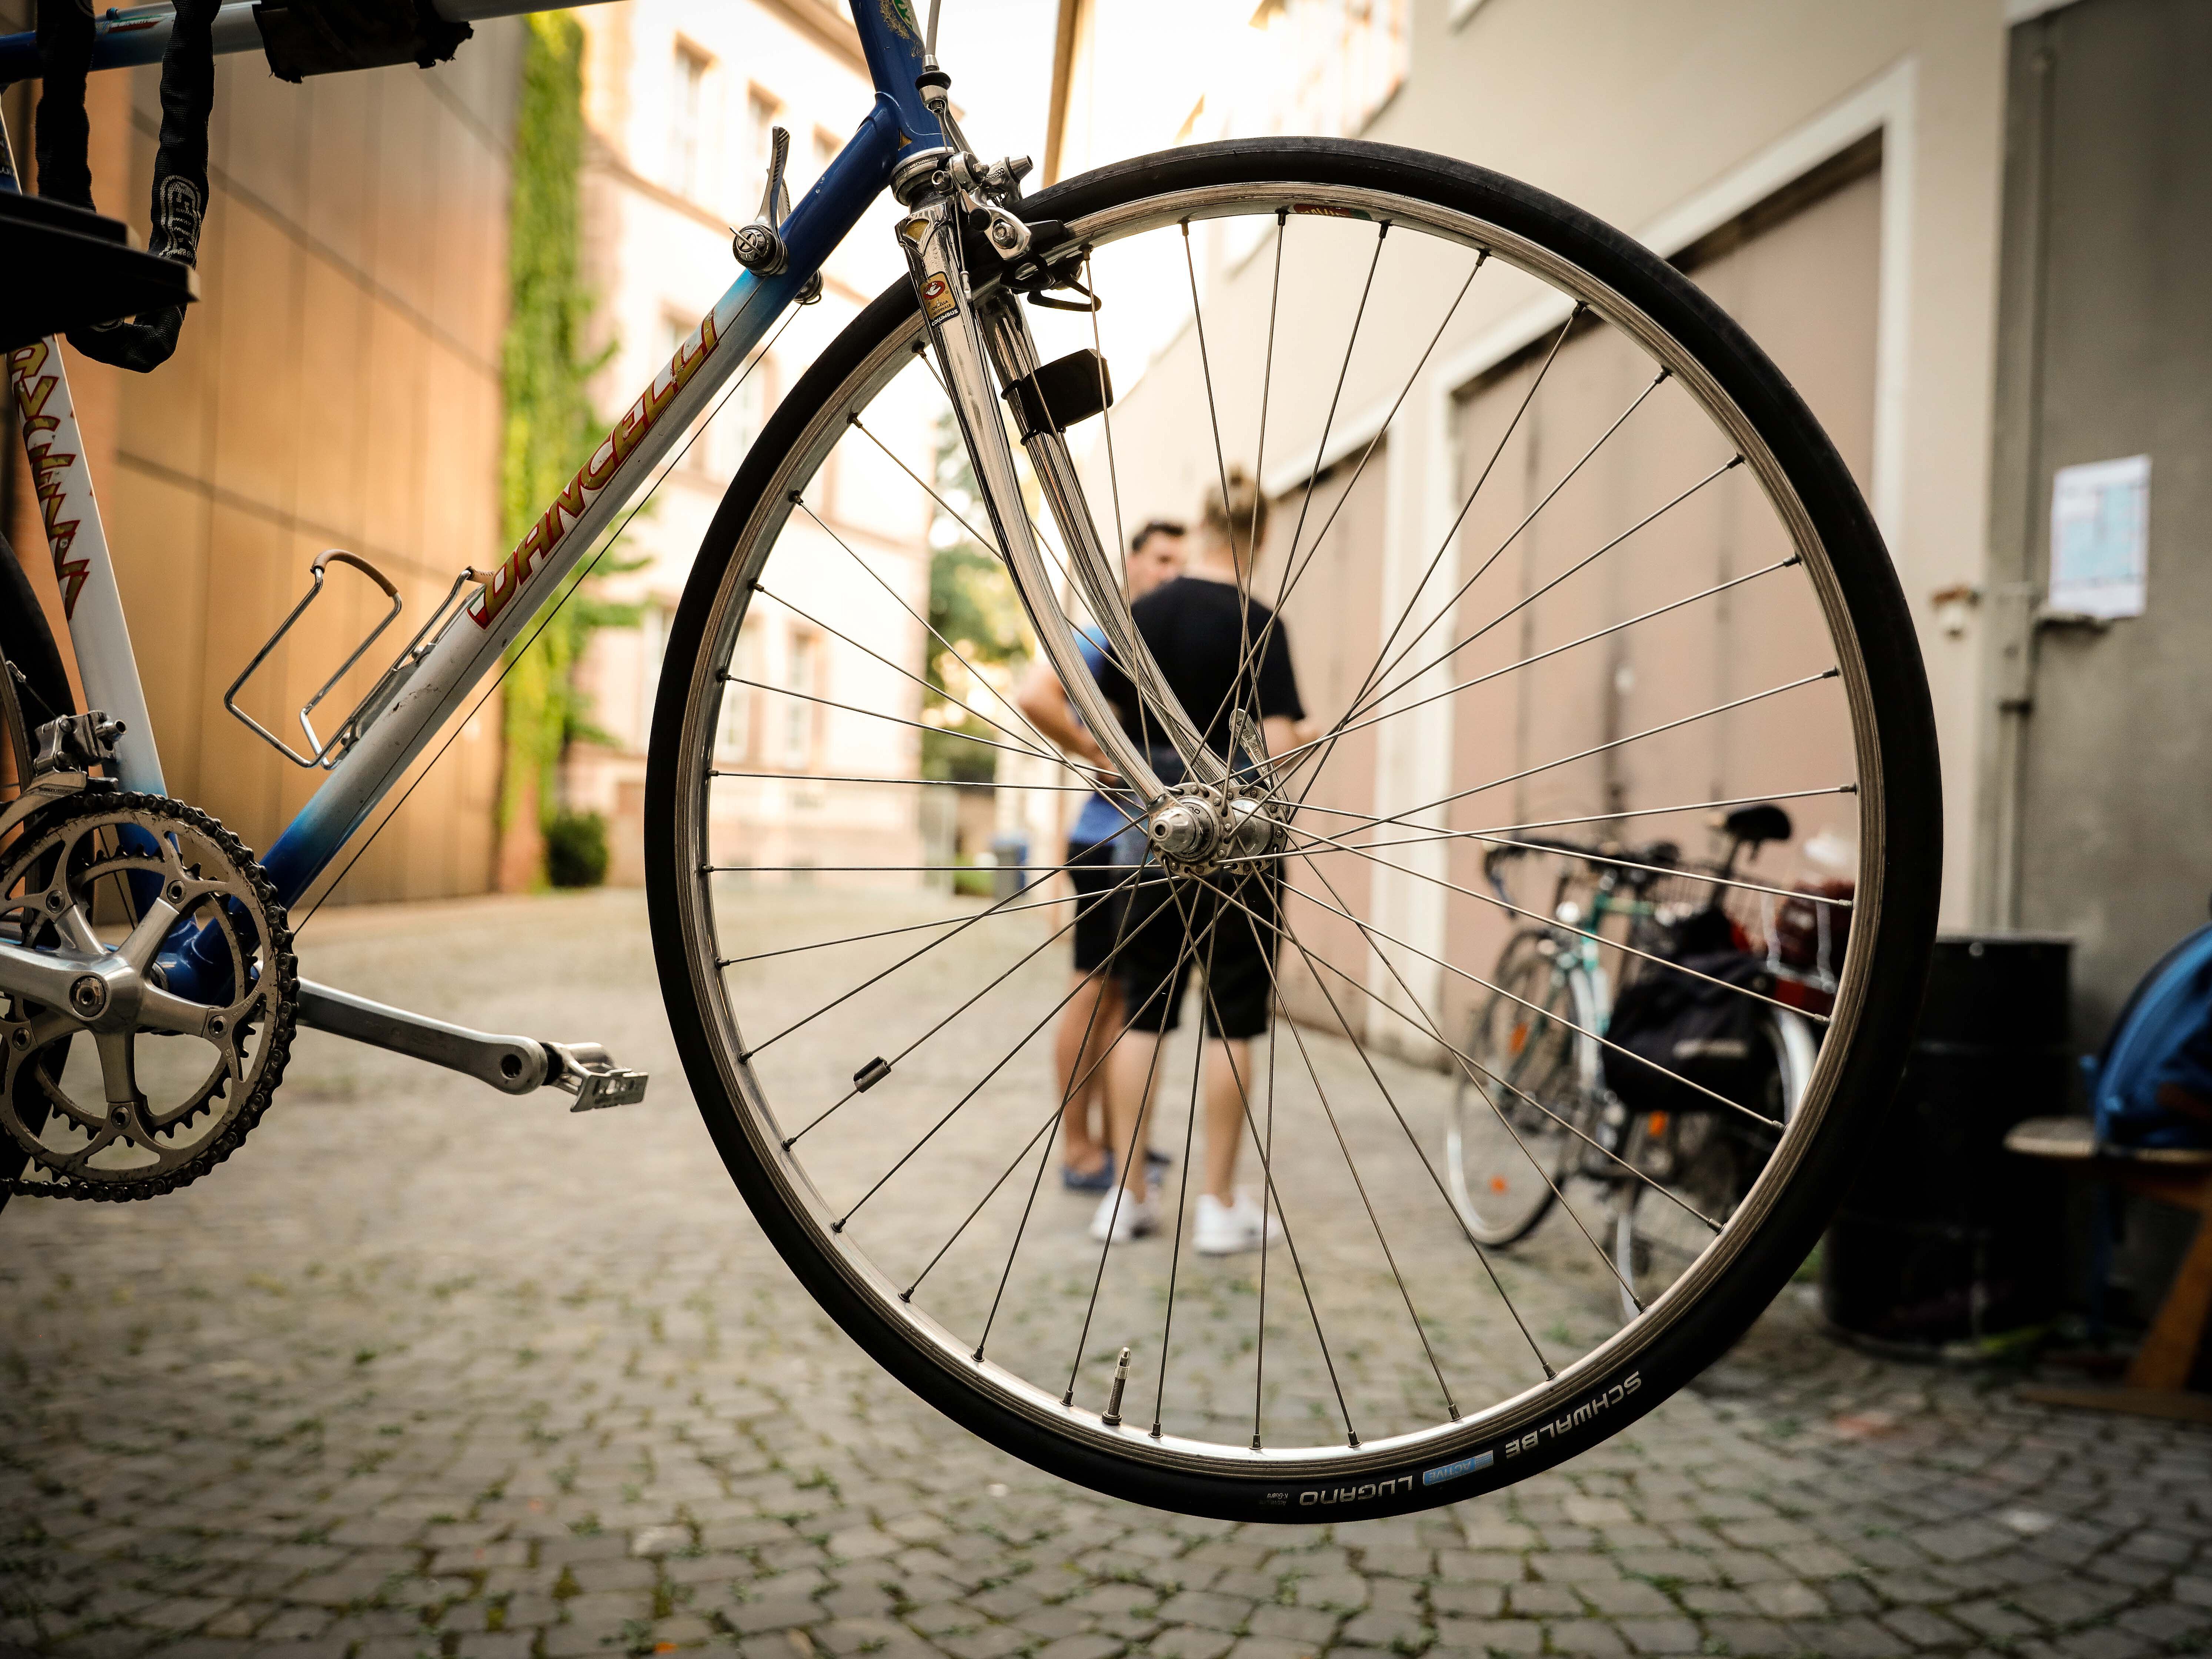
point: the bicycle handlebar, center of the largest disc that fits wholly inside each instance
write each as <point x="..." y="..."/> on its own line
<point x="141" y="34"/>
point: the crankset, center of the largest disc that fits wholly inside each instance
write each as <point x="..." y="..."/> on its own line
<point x="113" y="1085"/>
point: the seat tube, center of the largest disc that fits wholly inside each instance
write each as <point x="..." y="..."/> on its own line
<point x="92" y="606"/>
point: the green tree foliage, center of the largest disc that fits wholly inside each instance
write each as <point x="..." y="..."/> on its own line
<point x="550" y="425"/>
<point x="973" y="606"/>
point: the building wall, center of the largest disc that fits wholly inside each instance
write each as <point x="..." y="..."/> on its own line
<point x="1668" y="120"/>
<point x="679" y="96"/>
<point x="2099" y="763"/>
<point x="337" y="385"/>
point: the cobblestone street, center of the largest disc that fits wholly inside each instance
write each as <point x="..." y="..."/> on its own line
<point x="427" y="1370"/>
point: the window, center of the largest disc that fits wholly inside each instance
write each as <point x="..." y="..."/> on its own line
<point x="761" y="110"/>
<point x="741" y="417"/>
<point x="676" y="328"/>
<point x="687" y="116"/>
<point x="733" y="737"/>
<point x="802" y="720"/>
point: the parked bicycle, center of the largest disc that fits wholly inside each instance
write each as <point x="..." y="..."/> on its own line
<point x="1532" y="1112"/>
<point x="1376" y="1362"/>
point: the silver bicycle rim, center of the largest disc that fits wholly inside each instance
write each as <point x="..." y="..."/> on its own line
<point x="952" y="1352"/>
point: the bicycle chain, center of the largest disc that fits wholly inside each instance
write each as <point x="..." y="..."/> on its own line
<point x="278" y="959"/>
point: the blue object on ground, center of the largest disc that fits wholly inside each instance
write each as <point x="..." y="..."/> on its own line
<point x="2162" y="1038"/>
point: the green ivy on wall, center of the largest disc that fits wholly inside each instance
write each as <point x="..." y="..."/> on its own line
<point x="550" y="430"/>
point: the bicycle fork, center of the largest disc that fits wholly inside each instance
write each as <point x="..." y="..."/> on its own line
<point x="977" y="331"/>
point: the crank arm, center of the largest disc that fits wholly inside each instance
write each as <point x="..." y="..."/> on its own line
<point x="512" y="1065"/>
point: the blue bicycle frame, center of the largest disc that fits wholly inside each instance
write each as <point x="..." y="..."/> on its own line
<point x="438" y="679"/>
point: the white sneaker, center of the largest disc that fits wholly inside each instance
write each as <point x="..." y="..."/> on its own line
<point x="1132" y="1219"/>
<point x="1232" y="1229"/>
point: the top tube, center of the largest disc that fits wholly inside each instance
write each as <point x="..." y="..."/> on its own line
<point x="129" y="35"/>
<point x="124" y="36"/>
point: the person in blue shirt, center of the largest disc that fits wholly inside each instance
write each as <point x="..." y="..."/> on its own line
<point x="1094" y="1012"/>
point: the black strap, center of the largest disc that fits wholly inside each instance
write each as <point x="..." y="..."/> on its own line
<point x="180" y="181"/>
<point x="323" y="37"/>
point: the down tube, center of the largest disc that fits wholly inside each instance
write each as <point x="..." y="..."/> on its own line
<point x="581" y="514"/>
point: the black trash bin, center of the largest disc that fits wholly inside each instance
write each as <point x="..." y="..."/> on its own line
<point x="1945" y="1237"/>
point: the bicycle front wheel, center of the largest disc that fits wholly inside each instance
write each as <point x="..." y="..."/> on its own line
<point x="872" y="1052"/>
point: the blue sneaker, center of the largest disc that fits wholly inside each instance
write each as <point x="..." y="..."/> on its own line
<point x="1095" y="1180"/>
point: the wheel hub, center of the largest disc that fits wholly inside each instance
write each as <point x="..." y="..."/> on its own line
<point x="1196" y="827"/>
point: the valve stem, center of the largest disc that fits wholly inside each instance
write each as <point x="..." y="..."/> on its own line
<point x="1112" y="1420"/>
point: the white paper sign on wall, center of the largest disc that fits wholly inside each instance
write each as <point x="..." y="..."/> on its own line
<point x="2100" y="537"/>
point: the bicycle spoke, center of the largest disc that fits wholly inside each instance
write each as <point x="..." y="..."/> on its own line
<point x="1291" y="580"/>
<point x="887" y="932"/>
<point x="1290" y="1238"/>
<point x="1391" y="968"/>
<point x="1048" y="748"/>
<point x="1075" y="1086"/>
<point x="1488" y="466"/>
<point x="1413" y="1140"/>
<point x="1328" y="422"/>
<point x="1267" y="1193"/>
<point x="1361" y="707"/>
<point x="1352" y="1168"/>
<point x="975" y="674"/>
<point x="1526" y="662"/>
<point x="1106" y="414"/>
<point x="1510" y="996"/>
<point x="1144" y="681"/>
<point x="858" y="1089"/>
<point x="992" y="910"/>
<point x="1378" y="670"/>
<point x="1468" y="1063"/>
<point x="848" y="777"/>
<point x="1735" y="883"/>
<point x="1053" y="756"/>
<point x="1613" y="743"/>
<point x="1121" y="1184"/>
<point x="1544" y="921"/>
<point x="1190" y="1137"/>
<point x="953" y="1111"/>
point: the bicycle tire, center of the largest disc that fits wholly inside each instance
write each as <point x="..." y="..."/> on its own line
<point x="1898" y="804"/>
<point x="1637" y="1220"/>
<point x="1477" y="1114"/>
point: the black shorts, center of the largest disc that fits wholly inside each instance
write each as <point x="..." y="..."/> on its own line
<point x="1235" y="960"/>
<point x="1098" y="909"/>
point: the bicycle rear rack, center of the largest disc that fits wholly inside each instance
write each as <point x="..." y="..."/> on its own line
<point x="379" y="695"/>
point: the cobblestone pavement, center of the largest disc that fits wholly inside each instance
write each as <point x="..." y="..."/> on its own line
<point x="426" y="1371"/>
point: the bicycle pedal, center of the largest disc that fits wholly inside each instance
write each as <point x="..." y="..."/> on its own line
<point x="587" y="1072"/>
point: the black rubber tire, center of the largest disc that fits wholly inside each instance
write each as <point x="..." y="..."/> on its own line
<point x="1907" y="816"/>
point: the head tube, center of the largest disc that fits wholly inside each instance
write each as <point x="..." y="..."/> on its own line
<point x="891" y="35"/>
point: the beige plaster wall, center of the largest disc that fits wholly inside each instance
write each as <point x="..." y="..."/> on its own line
<point x="338" y="386"/>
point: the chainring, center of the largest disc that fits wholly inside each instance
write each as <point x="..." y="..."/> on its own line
<point x="90" y="1130"/>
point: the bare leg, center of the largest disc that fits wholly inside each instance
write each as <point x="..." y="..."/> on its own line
<point x="1087" y="1025"/>
<point x="1131" y="1077"/>
<point x="1228" y="1073"/>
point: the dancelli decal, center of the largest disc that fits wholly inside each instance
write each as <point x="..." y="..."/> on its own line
<point x="515" y="571"/>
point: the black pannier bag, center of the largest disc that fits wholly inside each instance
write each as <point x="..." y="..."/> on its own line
<point x="1709" y="1033"/>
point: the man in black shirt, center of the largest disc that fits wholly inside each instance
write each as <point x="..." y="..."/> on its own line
<point x="1217" y="652"/>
